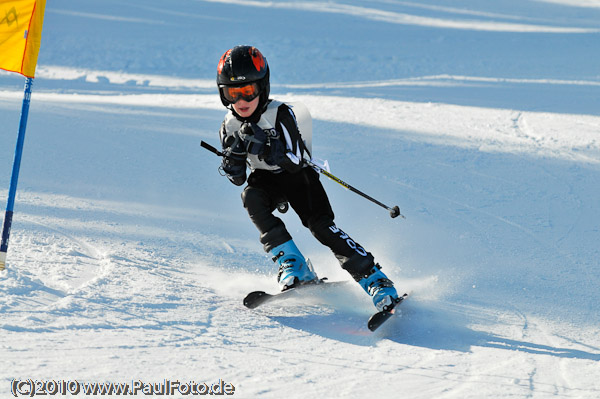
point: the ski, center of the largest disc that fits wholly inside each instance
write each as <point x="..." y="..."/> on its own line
<point x="381" y="317"/>
<point x="258" y="298"/>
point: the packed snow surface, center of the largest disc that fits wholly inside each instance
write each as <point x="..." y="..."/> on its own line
<point x="130" y="255"/>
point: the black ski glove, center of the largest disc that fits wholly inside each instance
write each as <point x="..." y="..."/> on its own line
<point x="276" y="155"/>
<point x="254" y="138"/>
<point x="269" y="148"/>
<point x="234" y="160"/>
<point x="234" y="167"/>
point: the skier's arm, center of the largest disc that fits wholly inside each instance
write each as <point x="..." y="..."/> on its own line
<point x="288" y="153"/>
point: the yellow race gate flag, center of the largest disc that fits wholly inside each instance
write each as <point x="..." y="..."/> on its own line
<point x="21" y="24"/>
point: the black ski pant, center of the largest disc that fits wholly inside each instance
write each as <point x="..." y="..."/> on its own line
<point x="306" y="195"/>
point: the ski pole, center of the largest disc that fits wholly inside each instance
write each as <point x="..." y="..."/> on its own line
<point x="394" y="211"/>
<point x="210" y="148"/>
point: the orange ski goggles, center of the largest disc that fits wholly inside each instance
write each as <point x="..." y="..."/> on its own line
<point x="248" y="92"/>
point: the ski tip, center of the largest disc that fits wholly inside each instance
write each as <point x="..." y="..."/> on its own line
<point x="381" y="317"/>
<point x="378" y="319"/>
<point x="253" y="299"/>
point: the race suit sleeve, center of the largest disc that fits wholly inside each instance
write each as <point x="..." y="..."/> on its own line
<point x="291" y="146"/>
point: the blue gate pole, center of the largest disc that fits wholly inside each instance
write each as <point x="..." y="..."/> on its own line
<point x="12" y="192"/>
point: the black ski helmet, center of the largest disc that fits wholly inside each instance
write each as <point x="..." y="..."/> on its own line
<point x="242" y="65"/>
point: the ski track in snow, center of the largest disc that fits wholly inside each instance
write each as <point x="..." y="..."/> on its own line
<point x="129" y="254"/>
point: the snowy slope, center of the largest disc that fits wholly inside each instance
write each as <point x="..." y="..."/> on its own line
<point x="129" y="254"/>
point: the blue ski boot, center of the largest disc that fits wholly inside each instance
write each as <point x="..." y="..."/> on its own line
<point x="380" y="288"/>
<point x="293" y="268"/>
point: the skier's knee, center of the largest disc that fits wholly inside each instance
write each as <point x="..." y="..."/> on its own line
<point x="254" y="198"/>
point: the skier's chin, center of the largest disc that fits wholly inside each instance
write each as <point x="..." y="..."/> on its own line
<point x="244" y="108"/>
<point x="244" y="112"/>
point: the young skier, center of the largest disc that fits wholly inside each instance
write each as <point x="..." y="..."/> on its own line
<point x="264" y="134"/>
